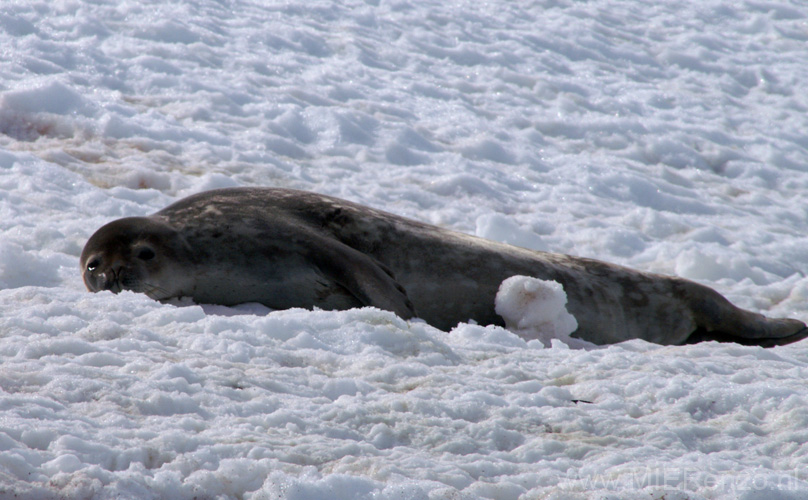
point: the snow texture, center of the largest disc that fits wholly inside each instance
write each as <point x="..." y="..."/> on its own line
<point x="666" y="136"/>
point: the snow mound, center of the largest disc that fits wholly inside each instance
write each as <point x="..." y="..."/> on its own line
<point x="536" y="309"/>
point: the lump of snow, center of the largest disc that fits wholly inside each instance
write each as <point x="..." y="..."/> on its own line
<point x="535" y="309"/>
<point x="51" y="97"/>
<point x="497" y="227"/>
<point x="19" y="267"/>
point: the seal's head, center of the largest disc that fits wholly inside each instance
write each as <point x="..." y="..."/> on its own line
<point x="140" y="254"/>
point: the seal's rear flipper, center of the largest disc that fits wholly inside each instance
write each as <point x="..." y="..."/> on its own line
<point x="719" y="320"/>
<point x="702" y="335"/>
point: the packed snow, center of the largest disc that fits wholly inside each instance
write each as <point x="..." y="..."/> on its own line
<point x="666" y="136"/>
<point x="536" y="309"/>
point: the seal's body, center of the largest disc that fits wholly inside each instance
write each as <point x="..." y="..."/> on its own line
<point x="286" y="248"/>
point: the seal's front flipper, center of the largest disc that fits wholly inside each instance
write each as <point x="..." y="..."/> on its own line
<point x="363" y="277"/>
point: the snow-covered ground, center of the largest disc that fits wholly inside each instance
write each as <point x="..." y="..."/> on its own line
<point x="664" y="135"/>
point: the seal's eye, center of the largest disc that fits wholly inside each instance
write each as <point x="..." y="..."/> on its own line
<point x="93" y="265"/>
<point x="145" y="254"/>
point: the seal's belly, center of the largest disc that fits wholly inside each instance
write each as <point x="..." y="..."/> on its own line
<point x="300" y="289"/>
